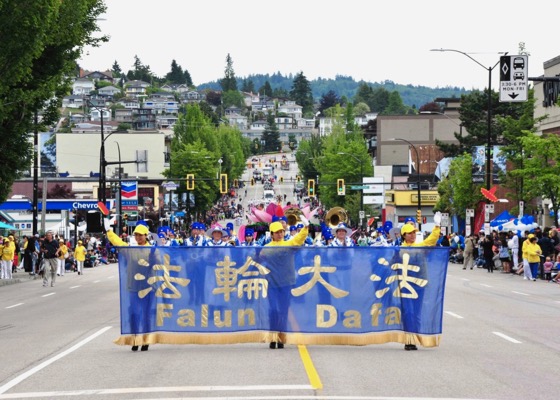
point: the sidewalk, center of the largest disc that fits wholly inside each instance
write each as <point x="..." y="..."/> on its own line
<point x="17" y="277"/>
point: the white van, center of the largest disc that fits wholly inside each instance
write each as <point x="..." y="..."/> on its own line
<point x="268" y="196"/>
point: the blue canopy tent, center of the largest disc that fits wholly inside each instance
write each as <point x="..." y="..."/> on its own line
<point x="3" y="225"/>
<point x="501" y="219"/>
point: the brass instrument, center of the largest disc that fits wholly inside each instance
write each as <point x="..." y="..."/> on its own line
<point x="293" y="215"/>
<point x="335" y="216"/>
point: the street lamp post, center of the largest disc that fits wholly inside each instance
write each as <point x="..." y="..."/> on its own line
<point x="102" y="195"/>
<point x="489" y="112"/>
<point x="361" y="181"/>
<point x="419" y="203"/>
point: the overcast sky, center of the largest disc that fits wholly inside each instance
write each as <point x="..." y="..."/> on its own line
<point x="365" y="39"/>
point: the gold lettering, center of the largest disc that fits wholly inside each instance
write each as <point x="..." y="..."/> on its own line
<point x="352" y="319"/>
<point x="326" y="311"/>
<point x="161" y="313"/>
<point x="218" y="322"/>
<point x="187" y="317"/>
<point x="316" y="277"/>
<point x="375" y="314"/>
<point x="204" y="316"/>
<point x="246" y="313"/>
<point x="393" y="316"/>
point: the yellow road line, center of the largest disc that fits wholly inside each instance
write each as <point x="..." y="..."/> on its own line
<point x="312" y="374"/>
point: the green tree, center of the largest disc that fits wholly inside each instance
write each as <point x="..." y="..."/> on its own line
<point x="395" y="105"/>
<point x="301" y="94"/>
<point x="188" y="79"/>
<point x="40" y="43"/>
<point x="541" y="168"/>
<point x="344" y="157"/>
<point x="474" y="118"/>
<point x="248" y="86"/>
<point x="271" y="135"/>
<point x="192" y="126"/>
<point x="140" y="72"/>
<point x="457" y="191"/>
<point x="514" y="129"/>
<point x="176" y="74"/>
<point x="266" y="90"/>
<point x="232" y="151"/>
<point x="196" y="159"/>
<point x="117" y="72"/>
<point x="229" y="82"/>
<point x="308" y="151"/>
<point x="361" y="109"/>
<point x="328" y="100"/>
<point x="232" y="98"/>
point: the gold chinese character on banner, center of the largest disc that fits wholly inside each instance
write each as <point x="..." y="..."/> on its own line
<point x="405" y="281"/>
<point x="316" y="270"/>
<point x="163" y="281"/>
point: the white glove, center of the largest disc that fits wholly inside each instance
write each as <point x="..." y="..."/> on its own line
<point x="107" y="224"/>
<point x="304" y="220"/>
<point x="437" y="218"/>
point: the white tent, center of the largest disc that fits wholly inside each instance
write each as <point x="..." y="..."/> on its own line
<point x="60" y="226"/>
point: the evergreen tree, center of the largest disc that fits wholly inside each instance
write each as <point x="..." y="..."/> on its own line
<point x="474" y="117"/>
<point x="229" y="82"/>
<point x="117" y="72"/>
<point x="271" y="135"/>
<point x="301" y="94"/>
<point x="266" y="90"/>
<point x="187" y="77"/>
<point x="328" y="100"/>
<point x="248" y="86"/>
<point x="176" y="74"/>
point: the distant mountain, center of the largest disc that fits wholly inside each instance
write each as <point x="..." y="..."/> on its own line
<point x="347" y="86"/>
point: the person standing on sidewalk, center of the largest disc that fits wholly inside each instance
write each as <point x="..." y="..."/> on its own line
<point x="7" y="254"/>
<point x="50" y="251"/>
<point x="468" y="254"/>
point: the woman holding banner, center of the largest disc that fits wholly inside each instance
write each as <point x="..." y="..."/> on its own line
<point x="283" y="276"/>
<point x="136" y="314"/>
<point x="408" y="233"/>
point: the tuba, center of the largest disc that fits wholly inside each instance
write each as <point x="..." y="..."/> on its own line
<point x="335" y="216"/>
<point x="292" y="215"/>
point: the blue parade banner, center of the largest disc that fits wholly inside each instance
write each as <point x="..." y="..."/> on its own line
<point x="297" y="295"/>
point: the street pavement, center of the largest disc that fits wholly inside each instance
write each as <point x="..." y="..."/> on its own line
<point x="500" y="341"/>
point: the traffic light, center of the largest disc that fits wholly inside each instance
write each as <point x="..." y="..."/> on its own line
<point x="298" y="178"/>
<point x="340" y="188"/>
<point x="223" y="184"/>
<point x="281" y="179"/>
<point x="311" y="188"/>
<point x="252" y="181"/>
<point x="419" y="216"/>
<point x="190" y="181"/>
<point x="235" y="183"/>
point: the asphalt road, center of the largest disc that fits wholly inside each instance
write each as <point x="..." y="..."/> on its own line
<point x="500" y="341"/>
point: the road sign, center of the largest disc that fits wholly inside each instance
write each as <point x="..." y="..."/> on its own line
<point x="362" y="214"/>
<point x="514" y="78"/>
<point x="358" y="187"/>
<point x="170" y="185"/>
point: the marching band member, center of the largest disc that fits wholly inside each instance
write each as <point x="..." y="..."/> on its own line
<point x="249" y="238"/>
<point x="308" y="240"/>
<point x="217" y="234"/>
<point x="197" y="235"/>
<point x="342" y="236"/>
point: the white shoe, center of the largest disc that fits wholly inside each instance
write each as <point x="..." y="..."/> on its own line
<point x="525" y="277"/>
